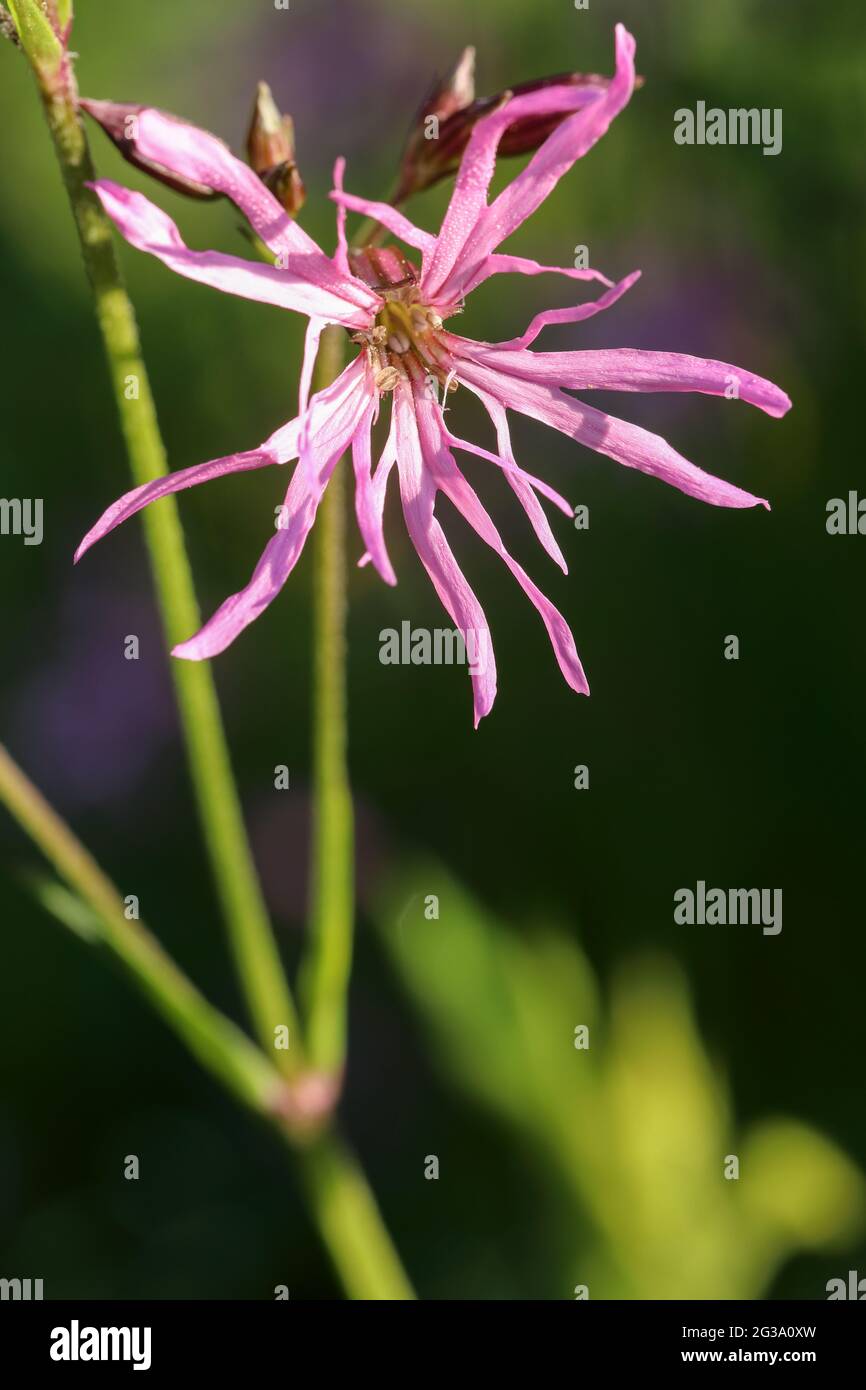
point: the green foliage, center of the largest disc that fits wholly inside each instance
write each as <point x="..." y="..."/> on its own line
<point x="637" y="1128"/>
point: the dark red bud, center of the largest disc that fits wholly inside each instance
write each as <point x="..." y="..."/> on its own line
<point x="454" y="92"/>
<point x="287" y="186"/>
<point x="427" y="160"/>
<point x="448" y="97"/>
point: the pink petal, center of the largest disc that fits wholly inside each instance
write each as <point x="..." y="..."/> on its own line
<point x="632" y="369"/>
<point x="389" y="216"/>
<point x="312" y="338"/>
<point x="370" y="493"/>
<point x="418" y="492"/>
<point x="499" y="264"/>
<point x="508" y="466"/>
<point x="341" y="255"/>
<point x="196" y="154"/>
<point x="626" y="443"/>
<point x="522" y="483"/>
<point x="273" y="569"/>
<point x="576" y="314"/>
<point x="472" y="230"/>
<point x="148" y="228"/>
<point x="139" y="497"/>
<point x="387" y="459"/>
<point x="340" y="418"/>
<point x="440" y="462"/>
<point x="282" y="446"/>
<point x="469" y="199"/>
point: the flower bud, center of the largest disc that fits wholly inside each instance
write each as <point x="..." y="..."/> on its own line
<point x="528" y="134"/>
<point x="433" y="152"/>
<point x="271" y="137"/>
<point x="447" y="98"/>
<point x="271" y="151"/>
<point x="120" y="123"/>
<point x="456" y="91"/>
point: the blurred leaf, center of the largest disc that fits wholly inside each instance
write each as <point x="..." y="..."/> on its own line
<point x="802" y="1185"/>
<point x="66" y="907"/>
<point x="638" y="1126"/>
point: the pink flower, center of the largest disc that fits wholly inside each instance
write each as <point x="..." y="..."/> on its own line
<point x="396" y="314"/>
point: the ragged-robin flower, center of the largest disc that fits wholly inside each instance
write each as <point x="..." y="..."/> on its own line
<point x="397" y="313"/>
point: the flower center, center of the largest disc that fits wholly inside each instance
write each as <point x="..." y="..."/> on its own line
<point x="404" y="341"/>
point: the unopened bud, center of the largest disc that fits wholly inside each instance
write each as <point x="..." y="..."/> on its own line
<point x="456" y="91"/>
<point x="271" y="151"/>
<point x="448" y="97"/>
<point x="526" y="135"/>
<point x="271" y="138"/>
<point x="120" y="123"/>
<point x="428" y="159"/>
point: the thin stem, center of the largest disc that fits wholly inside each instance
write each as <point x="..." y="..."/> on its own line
<point x="253" y="945"/>
<point x="346" y="1212"/>
<point x="340" y="1198"/>
<point x="218" y="1044"/>
<point x="345" y="1208"/>
<point x="328" y="965"/>
<point x="342" y="1202"/>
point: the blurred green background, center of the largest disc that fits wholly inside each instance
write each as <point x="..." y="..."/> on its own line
<point x="558" y="1167"/>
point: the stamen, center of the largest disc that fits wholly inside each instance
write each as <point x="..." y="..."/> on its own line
<point x="386" y="378"/>
<point x="404" y="340"/>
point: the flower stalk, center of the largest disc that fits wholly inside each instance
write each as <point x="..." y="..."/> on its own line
<point x="328" y="964"/>
<point x="340" y="1200"/>
<point x="217" y="1043"/>
<point x="347" y="1215"/>
<point x="251" y="938"/>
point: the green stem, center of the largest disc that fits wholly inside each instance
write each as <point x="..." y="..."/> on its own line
<point x="340" y="1199"/>
<point x="253" y="945"/>
<point x="218" y="1044"/>
<point x="346" y="1212"/>
<point x="328" y="964"/>
<point x="342" y="1202"/>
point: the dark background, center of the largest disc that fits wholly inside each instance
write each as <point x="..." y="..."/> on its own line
<point x="745" y="773"/>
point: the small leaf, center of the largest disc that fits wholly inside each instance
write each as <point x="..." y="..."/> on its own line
<point x="66" y="907"/>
